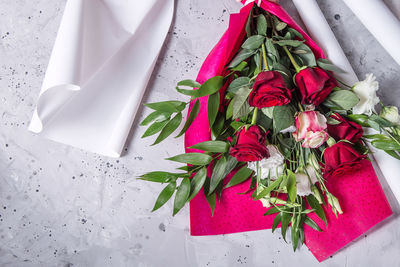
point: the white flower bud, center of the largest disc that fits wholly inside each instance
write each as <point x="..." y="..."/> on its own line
<point x="391" y="114"/>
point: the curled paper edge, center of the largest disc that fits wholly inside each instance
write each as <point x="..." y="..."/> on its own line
<point x="62" y="84"/>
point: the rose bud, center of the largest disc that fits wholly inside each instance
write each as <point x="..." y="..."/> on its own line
<point x="314" y="85"/>
<point x="269" y="90"/>
<point x="311" y="127"/>
<point x="250" y="145"/>
<point x="341" y="158"/>
<point x="345" y="130"/>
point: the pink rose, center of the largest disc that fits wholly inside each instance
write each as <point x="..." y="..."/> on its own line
<point x="311" y="127"/>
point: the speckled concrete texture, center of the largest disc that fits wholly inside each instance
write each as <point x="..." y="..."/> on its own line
<point x="60" y="206"/>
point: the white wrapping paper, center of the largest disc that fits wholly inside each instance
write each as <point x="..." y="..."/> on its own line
<point x="380" y="21"/>
<point x="319" y="29"/>
<point x="103" y="57"/>
<point x="321" y="32"/>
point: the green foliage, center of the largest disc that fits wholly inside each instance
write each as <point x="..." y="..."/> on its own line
<point x="212" y="146"/>
<point x="192" y="158"/>
<point x="165" y="195"/>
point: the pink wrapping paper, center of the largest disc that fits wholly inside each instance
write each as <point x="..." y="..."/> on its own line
<point x="239" y="213"/>
<point x="364" y="205"/>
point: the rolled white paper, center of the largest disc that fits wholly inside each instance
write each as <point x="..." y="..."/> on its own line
<point x="322" y="34"/>
<point x="380" y="21"/>
<point x="319" y="29"/>
<point x="102" y="60"/>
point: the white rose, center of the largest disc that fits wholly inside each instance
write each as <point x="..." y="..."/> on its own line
<point x="366" y="91"/>
<point x="272" y="166"/>
<point x="391" y="114"/>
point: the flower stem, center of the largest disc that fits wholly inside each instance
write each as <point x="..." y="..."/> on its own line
<point x="266" y="67"/>
<point x="294" y="63"/>
<point x="254" y="119"/>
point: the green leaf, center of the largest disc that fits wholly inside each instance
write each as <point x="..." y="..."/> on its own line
<point x="343" y="98"/>
<point x="158" y="177"/>
<point x="171" y="126"/>
<point x="182" y="195"/>
<point x="386" y="145"/>
<point x="218" y="126"/>
<point x="271" y="49"/>
<point x="262" y="25"/>
<point x="197" y="182"/>
<point x="394" y="154"/>
<point x="192" y="158"/>
<point x="189" y="83"/>
<point x="167" y="106"/>
<point x="283" y="117"/>
<point x="295" y="237"/>
<point x="240" y="176"/>
<point x="212" y="108"/>
<point x="285" y="219"/>
<point x="328" y="65"/>
<point x="296" y="33"/>
<point x="359" y="118"/>
<point x="381" y="121"/>
<point x="271" y="211"/>
<point x="314" y="204"/>
<point x="217" y="174"/>
<point x="253" y="42"/>
<point x="240" y="101"/>
<point x="280" y="26"/>
<point x="209" y="87"/>
<point x="193" y="114"/>
<point x="165" y="195"/>
<point x="212" y="199"/>
<point x="291" y="186"/>
<point x="154" y="128"/>
<point x="238" y="83"/>
<point x="156" y="116"/>
<point x="264" y="121"/>
<point x="229" y="110"/>
<point x="240" y="67"/>
<point x="212" y="146"/>
<point x="242" y="55"/>
<point x="292" y="43"/>
<point x="312" y="224"/>
<point x="276" y="221"/>
<point x="306" y="55"/>
<point x="269" y="188"/>
<point x="373" y="125"/>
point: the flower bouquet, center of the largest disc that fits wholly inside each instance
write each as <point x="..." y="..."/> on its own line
<point x="272" y="141"/>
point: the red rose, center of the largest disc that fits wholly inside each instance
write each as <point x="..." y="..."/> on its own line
<point x="341" y="158"/>
<point x="347" y="130"/>
<point x="269" y="90"/>
<point x="314" y="85"/>
<point x="250" y="145"/>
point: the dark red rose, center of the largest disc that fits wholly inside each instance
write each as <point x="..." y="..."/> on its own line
<point x="250" y="145"/>
<point x="314" y="85"/>
<point x="341" y="158"/>
<point x="269" y="90"/>
<point x="347" y="130"/>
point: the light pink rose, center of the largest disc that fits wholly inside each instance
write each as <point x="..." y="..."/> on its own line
<point x="311" y="126"/>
